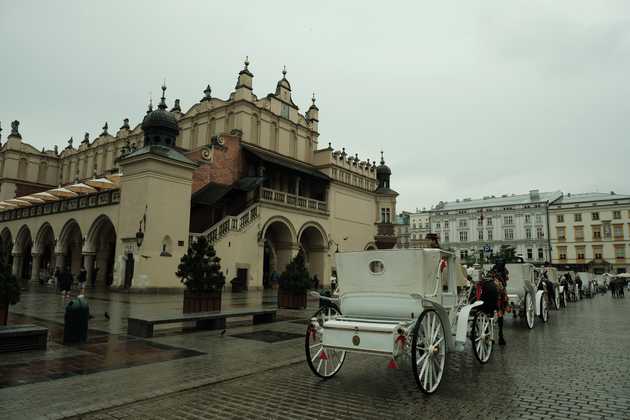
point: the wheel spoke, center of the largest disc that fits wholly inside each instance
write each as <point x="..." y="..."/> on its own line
<point x="421" y="359"/>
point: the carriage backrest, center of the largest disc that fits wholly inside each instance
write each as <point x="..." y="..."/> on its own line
<point x="585" y="276"/>
<point x="521" y="277"/>
<point x="381" y="283"/>
<point x="552" y="273"/>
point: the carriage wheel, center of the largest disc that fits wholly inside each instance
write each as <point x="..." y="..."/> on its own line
<point x="428" y="351"/>
<point x="529" y="311"/>
<point x="324" y="362"/>
<point x="544" y="308"/>
<point x="481" y="337"/>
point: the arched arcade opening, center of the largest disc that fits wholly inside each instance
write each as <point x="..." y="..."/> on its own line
<point x="100" y="252"/>
<point x="22" y="258"/>
<point x="43" y="253"/>
<point x="315" y="247"/>
<point x="68" y="250"/>
<point x="278" y="247"/>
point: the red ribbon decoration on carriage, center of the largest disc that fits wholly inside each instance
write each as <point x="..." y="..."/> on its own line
<point x="443" y="264"/>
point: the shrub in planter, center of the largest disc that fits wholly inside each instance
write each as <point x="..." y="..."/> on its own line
<point x="200" y="271"/>
<point x="293" y="284"/>
<point x="9" y="292"/>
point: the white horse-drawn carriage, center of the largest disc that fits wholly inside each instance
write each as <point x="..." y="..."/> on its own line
<point x="588" y="289"/>
<point x="397" y="304"/>
<point x="555" y="295"/>
<point x="525" y="300"/>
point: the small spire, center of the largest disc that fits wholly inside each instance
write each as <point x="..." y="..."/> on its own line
<point x="207" y="94"/>
<point x="150" y="104"/>
<point x="284" y="72"/>
<point x="246" y="62"/>
<point x="162" y="104"/>
<point x="105" y="127"/>
<point x="313" y="99"/>
<point x="15" y="129"/>
<point x="382" y="159"/>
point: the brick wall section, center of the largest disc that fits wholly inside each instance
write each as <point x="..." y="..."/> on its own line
<point x="226" y="167"/>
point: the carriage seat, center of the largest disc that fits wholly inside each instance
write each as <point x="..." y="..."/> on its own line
<point x="379" y="305"/>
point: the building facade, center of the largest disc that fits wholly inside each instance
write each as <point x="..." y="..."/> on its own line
<point x="420" y="226"/>
<point x="472" y="227"/>
<point x="244" y="171"/>
<point x="591" y="232"/>
<point x="402" y="229"/>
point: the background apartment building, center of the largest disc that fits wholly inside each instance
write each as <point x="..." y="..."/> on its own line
<point x="471" y="227"/>
<point x="591" y="232"/>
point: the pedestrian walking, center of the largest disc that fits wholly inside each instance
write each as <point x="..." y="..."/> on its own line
<point x="66" y="282"/>
<point x="82" y="279"/>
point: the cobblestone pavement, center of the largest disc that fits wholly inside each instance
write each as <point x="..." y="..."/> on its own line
<point x="113" y="369"/>
<point x="576" y="366"/>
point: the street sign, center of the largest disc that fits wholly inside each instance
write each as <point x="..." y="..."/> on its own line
<point x="487" y="248"/>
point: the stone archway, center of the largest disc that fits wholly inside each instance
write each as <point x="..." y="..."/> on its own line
<point x="69" y="245"/>
<point x="43" y="252"/>
<point x="278" y="248"/>
<point x="313" y="242"/>
<point x="6" y="247"/>
<point x="100" y="251"/>
<point x="22" y="258"/>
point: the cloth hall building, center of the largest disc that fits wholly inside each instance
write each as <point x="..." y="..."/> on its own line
<point x="246" y="172"/>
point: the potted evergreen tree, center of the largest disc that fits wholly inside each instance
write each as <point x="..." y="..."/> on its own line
<point x="293" y="284"/>
<point x="9" y="292"/>
<point x="200" y="271"/>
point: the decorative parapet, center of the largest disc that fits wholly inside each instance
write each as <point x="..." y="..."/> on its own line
<point x="98" y="199"/>
<point x="292" y="200"/>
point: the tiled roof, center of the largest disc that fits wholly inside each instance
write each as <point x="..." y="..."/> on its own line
<point x="510" y="200"/>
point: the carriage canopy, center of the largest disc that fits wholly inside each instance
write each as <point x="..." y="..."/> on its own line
<point x="412" y="271"/>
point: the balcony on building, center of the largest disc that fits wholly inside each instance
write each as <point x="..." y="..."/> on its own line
<point x="266" y="179"/>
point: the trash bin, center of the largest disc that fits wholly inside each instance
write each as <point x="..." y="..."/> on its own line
<point x="76" y="321"/>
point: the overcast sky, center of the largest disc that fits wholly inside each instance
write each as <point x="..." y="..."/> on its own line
<point x="466" y="98"/>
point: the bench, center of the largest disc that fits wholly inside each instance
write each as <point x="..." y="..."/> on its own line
<point x="143" y="327"/>
<point x="23" y="337"/>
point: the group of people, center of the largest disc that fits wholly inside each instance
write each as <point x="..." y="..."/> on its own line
<point x="64" y="280"/>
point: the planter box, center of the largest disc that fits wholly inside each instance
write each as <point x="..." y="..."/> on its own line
<point x="4" y="313"/>
<point x="290" y="300"/>
<point x="201" y="302"/>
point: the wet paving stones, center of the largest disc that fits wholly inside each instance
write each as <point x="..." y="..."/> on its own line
<point x="101" y="352"/>
<point x="574" y="367"/>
